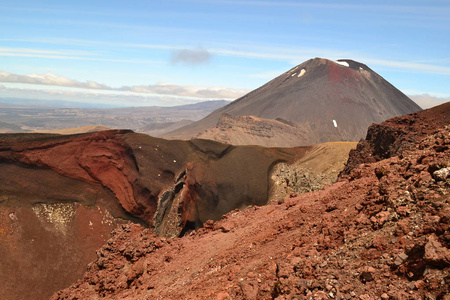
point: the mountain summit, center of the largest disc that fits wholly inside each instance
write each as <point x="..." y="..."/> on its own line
<point x="324" y="100"/>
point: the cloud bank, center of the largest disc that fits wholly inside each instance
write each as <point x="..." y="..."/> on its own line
<point x="95" y="98"/>
<point x="188" y="91"/>
<point x="168" y="89"/>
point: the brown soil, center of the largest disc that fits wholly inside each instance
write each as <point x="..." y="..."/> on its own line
<point x="382" y="231"/>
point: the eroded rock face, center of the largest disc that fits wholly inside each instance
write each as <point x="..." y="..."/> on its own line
<point x="99" y="158"/>
<point x="174" y="208"/>
<point x="59" y="200"/>
<point x="203" y="179"/>
<point x="382" y="231"/>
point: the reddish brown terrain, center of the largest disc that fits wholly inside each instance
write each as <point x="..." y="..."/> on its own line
<point x="62" y="195"/>
<point x="382" y="231"/>
<point x="318" y="101"/>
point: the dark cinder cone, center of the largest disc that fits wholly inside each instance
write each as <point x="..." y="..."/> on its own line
<point x="330" y="101"/>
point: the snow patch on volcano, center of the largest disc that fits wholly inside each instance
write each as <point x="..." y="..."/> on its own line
<point x="343" y="63"/>
<point x="302" y="72"/>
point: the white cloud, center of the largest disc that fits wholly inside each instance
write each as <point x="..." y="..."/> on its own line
<point x="109" y="97"/>
<point x="50" y="79"/>
<point x="46" y="52"/>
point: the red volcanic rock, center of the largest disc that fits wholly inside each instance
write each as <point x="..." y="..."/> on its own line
<point x="97" y="158"/>
<point x="435" y="253"/>
<point x="395" y="135"/>
<point x="383" y="231"/>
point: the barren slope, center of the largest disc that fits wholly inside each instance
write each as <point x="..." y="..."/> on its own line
<point x="251" y="130"/>
<point x="159" y="128"/>
<point x="383" y="231"/>
<point x="320" y="166"/>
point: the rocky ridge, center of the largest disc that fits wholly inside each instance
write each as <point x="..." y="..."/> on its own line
<point x="382" y="231"/>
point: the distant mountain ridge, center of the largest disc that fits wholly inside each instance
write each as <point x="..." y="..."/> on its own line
<point x="332" y="101"/>
<point x="24" y="117"/>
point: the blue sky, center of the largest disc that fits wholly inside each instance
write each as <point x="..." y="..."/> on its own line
<point x="184" y="51"/>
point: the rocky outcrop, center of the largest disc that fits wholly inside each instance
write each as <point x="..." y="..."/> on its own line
<point x="382" y="231"/>
<point x="177" y="213"/>
<point x="393" y="137"/>
<point x="319" y="167"/>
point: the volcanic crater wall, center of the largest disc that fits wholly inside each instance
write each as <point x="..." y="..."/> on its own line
<point x="199" y="180"/>
<point x="73" y="190"/>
